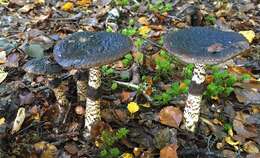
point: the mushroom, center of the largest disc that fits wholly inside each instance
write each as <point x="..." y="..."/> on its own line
<point x="89" y="50"/>
<point x="43" y="66"/>
<point x="201" y="46"/>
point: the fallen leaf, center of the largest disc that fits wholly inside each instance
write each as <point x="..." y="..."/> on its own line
<point x="170" y="116"/>
<point x="144" y="30"/>
<point x="249" y="35"/>
<point x="169" y="151"/>
<point x="2" y="120"/>
<point x="85" y="3"/>
<point x="3" y="75"/>
<point x="34" y="50"/>
<point x="250" y="147"/>
<point x="240" y="128"/>
<point x="127" y="155"/>
<point x="231" y="142"/>
<point x="20" y="116"/>
<point x="247" y="96"/>
<point x="47" y="150"/>
<point x="2" y="57"/>
<point x="12" y="60"/>
<point x="26" y="97"/>
<point x="26" y="8"/>
<point x="253" y="155"/>
<point x="143" y="20"/>
<point x="39" y="1"/>
<point x="68" y="6"/>
<point x="71" y="148"/>
<point x="133" y="107"/>
<point x="240" y="71"/>
<point x="126" y="96"/>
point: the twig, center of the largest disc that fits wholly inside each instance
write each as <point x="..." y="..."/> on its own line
<point x="134" y="86"/>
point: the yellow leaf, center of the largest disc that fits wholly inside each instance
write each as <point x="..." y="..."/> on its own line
<point x="127" y="155"/>
<point x="39" y="1"/>
<point x="144" y="30"/>
<point x="249" y="35"/>
<point x="231" y="142"/>
<point x="68" y="6"/>
<point x="133" y="107"/>
<point x="230" y="132"/>
<point x="2" y="120"/>
<point x="84" y="2"/>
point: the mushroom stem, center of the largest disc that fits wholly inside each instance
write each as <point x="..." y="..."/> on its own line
<point x="60" y="94"/>
<point x="82" y="90"/>
<point x="192" y="107"/>
<point x="92" y="100"/>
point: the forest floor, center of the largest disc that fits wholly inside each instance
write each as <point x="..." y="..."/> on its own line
<point x="143" y="119"/>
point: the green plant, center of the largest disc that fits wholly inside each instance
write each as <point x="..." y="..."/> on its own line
<point x="128" y="58"/>
<point x="188" y="71"/>
<point x="122" y="2"/>
<point x="163" y="64"/>
<point x="129" y="31"/>
<point x="108" y="139"/>
<point x="210" y="20"/>
<point x="222" y="83"/>
<point x="175" y="90"/>
<point x="106" y="70"/>
<point x="160" y="6"/>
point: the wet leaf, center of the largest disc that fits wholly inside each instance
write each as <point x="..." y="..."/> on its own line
<point x="249" y="35"/>
<point x="133" y="107"/>
<point x="20" y="116"/>
<point x="171" y="116"/>
<point x="253" y="155"/>
<point x="126" y="96"/>
<point x="250" y="147"/>
<point x="169" y="151"/>
<point x="231" y="142"/>
<point x="34" y="50"/>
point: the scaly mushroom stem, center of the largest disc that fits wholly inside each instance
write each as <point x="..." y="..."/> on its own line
<point x="59" y="90"/>
<point x="82" y="90"/>
<point x="92" y="100"/>
<point x="192" y="107"/>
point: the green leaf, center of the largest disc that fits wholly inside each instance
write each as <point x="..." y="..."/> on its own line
<point x="114" y="86"/>
<point x="115" y="152"/>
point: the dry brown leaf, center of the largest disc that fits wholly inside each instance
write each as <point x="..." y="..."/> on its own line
<point x="20" y="116"/>
<point x="241" y="129"/>
<point x="26" y="8"/>
<point x="71" y="148"/>
<point x="169" y="151"/>
<point x="143" y="20"/>
<point x="250" y="147"/>
<point x="126" y="96"/>
<point x="240" y="71"/>
<point x="170" y="116"/>
<point x="47" y="150"/>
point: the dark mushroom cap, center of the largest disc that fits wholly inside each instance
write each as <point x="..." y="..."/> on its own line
<point x="42" y="66"/>
<point x="204" y="45"/>
<point x="90" y="49"/>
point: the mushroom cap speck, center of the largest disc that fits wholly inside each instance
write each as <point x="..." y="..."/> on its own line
<point x="204" y="45"/>
<point x="90" y="49"/>
<point x="42" y="66"/>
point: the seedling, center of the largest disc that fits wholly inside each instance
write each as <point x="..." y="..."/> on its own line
<point x="160" y="7"/>
<point x="108" y="140"/>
